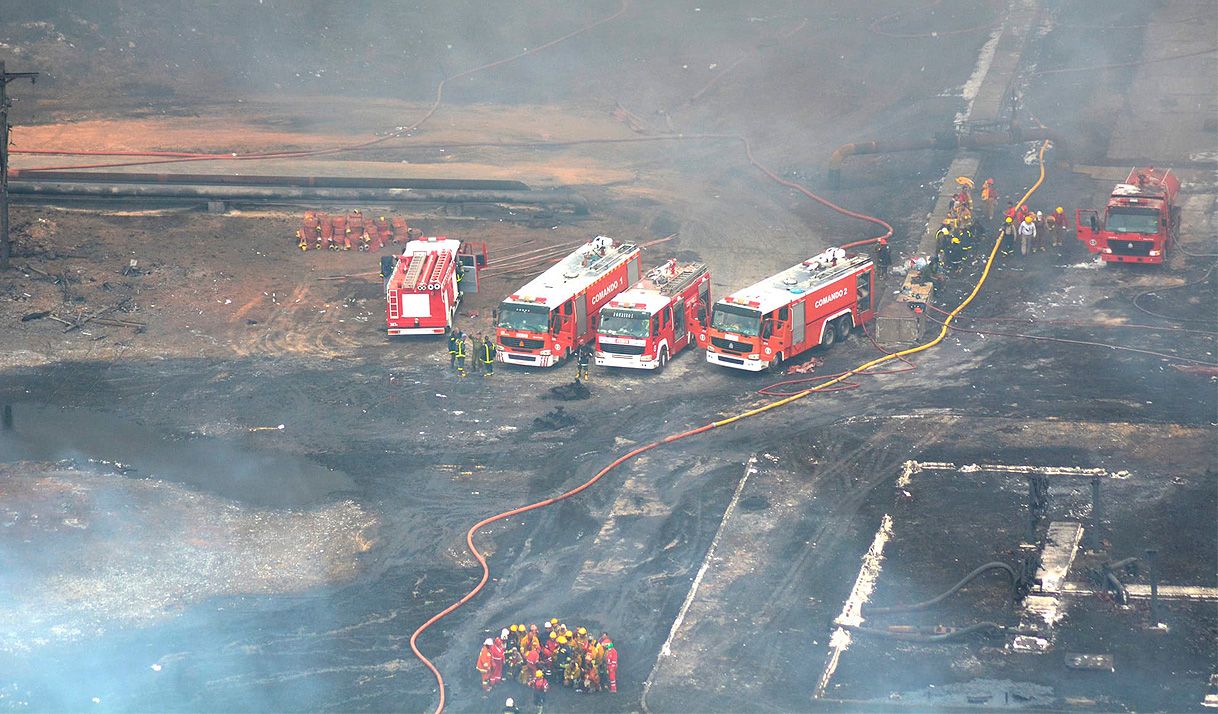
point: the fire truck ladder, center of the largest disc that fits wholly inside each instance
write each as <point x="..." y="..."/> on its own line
<point x="410" y="275"/>
<point x="603" y="262"/>
<point x="684" y="277"/>
<point x="437" y="270"/>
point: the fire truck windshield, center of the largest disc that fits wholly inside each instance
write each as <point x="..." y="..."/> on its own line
<point x="525" y="318"/>
<point x="624" y="323"/>
<point x="1133" y="220"/>
<point x="737" y="320"/>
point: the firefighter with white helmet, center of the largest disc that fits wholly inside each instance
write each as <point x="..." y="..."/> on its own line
<point x="509" y="707"/>
<point x="1027" y="235"/>
<point x="483" y="664"/>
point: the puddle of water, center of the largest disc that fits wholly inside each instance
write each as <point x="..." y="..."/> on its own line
<point x="247" y="475"/>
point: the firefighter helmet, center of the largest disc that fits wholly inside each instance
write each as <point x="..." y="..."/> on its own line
<point x="513" y="628"/>
<point x="553" y="620"/>
<point x="1060" y="210"/>
<point x="553" y="635"/>
<point x="562" y="640"/>
<point x="509" y="703"/>
<point x="582" y="631"/>
<point x="539" y="674"/>
<point x="1010" y="220"/>
<point x="1027" y="218"/>
<point x="488" y="642"/>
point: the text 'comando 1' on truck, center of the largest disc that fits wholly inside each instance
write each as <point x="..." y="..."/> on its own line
<point x="547" y="320"/>
<point x="1141" y="220"/>
<point x="424" y="285"/>
<point x="816" y="302"/>
<point x="645" y="326"/>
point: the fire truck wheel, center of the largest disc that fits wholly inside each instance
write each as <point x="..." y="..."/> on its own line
<point x="663" y="360"/>
<point x="830" y="336"/>
<point x="842" y="328"/>
<point x="776" y="364"/>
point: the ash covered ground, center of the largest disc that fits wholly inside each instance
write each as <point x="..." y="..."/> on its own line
<point x="166" y="546"/>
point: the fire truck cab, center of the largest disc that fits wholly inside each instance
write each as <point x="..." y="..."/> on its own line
<point x="651" y="322"/>
<point x="547" y="320"/>
<point x="1140" y="222"/>
<point x="814" y="303"/>
<point x="424" y="285"/>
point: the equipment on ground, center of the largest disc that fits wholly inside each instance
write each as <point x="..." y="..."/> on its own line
<point x="547" y="320"/>
<point x="650" y="323"/>
<point x="816" y="302"/>
<point x="1141" y="220"/>
<point x="424" y="285"/>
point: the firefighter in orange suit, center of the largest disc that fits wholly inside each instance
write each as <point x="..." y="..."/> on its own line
<point x="484" y="665"/>
<point x="496" y="661"/>
<point x="989" y="197"/>
<point x="540" y="686"/>
<point x="611" y="666"/>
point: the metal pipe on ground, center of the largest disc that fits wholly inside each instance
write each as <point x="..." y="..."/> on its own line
<point x="572" y="202"/>
<point x="944" y="141"/>
<point x="269" y="180"/>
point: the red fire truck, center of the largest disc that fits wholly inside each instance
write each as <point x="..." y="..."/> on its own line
<point x="1141" y="220"/>
<point x="654" y="320"/>
<point x="814" y="303"/>
<point x="544" y="322"/>
<point x="424" y="285"/>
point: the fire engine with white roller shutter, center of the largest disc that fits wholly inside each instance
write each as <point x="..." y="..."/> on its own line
<point x="544" y="322"/>
<point x="814" y="303"/>
<point x="424" y="285"/>
<point x="651" y="322"/>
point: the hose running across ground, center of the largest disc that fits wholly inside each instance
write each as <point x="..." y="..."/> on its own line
<point x="473" y="530"/>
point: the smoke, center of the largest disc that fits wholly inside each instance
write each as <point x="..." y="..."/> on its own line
<point x="114" y="575"/>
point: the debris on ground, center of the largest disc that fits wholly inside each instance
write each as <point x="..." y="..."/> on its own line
<point x="556" y="418"/>
<point x="569" y="392"/>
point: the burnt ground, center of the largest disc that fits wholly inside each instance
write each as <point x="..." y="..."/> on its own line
<point x="167" y="547"/>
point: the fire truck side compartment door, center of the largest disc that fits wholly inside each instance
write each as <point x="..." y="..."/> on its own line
<point x="632" y="271"/>
<point x="679" y="329"/>
<point x="863" y="291"/>
<point x="797" y="323"/>
<point x="469" y="274"/>
<point x="581" y="314"/>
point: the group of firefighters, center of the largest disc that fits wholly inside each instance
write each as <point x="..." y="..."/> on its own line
<point x="535" y="657"/>
<point x="481" y="359"/>
<point x="1023" y="230"/>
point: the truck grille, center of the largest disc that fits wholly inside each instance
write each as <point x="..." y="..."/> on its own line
<point x="732" y="345"/>
<point x="521" y="343"/>
<point x="622" y="349"/>
<point x="1131" y="247"/>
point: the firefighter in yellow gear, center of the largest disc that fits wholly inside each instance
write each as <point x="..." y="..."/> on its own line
<point x="989" y="197"/>
<point x="488" y="350"/>
<point x="944" y="236"/>
<point x="461" y="350"/>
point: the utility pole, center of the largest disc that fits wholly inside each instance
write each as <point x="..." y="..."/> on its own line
<point x="6" y="247"/>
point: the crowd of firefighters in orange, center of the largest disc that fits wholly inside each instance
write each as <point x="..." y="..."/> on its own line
<point x="537" y="657"/>
<point x="1023" y="230"/>
<point x="320" y="230"/>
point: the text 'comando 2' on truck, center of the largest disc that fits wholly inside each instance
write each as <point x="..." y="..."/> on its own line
<point x="547" y="320"/>
<point x="814" y="303"/>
